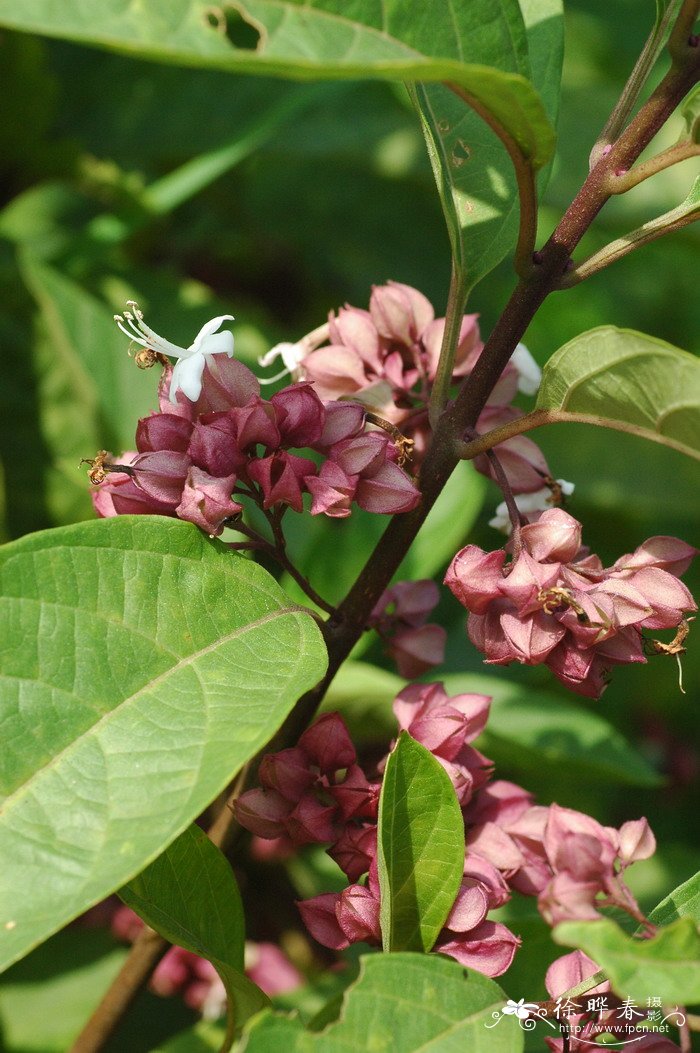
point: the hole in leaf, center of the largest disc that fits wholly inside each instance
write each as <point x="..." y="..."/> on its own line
<point x="233" y="25"/>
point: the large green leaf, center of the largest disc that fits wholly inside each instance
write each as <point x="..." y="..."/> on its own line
<point x="190" y="896"/>
<point x="684" y="901"/>
<point x="142" y="665"/>
<point x="308" y="41"/>
<point x="626" y="380"/>
<point x="473" y="172"/>
<point x="667" y="965"/>
<point x="535" y="732"/>
<point x="401" y="1003"/>
<point x="420" y="847"/>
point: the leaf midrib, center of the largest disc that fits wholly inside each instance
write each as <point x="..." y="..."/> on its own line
<point x="17" y="795"/>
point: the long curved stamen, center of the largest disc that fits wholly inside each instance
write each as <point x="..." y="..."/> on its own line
<point x="277" y="376"/>
<point x="134" y="339"/>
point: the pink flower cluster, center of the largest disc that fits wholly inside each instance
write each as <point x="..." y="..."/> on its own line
<point x="195" y="460"/>
<point x="400" y="617"/>
<point x="556" y="604"/>
<point x="388" y="356"/>
<point x="317" y="792"/>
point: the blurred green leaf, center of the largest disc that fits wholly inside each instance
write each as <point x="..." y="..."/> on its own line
<point x="401" y="1003"/>
<point x="624" y="379"/>
<point x="46" y="999"/>
<point x="142" y="666"/>
<point x="310" y="42"/>
<point x="684" y="901"/>
<point x="94" y="353"/>
<point x="363" y="694"/>
<point x="332" y="552"/>
<point x="204" y="1037"/>
<point x="666" y="965"/>
<point x="190" y="896"/>
<point x="420" y="846"/>
<point x="534" y="731"/>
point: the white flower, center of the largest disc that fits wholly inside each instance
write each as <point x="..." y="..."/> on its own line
<point x="529" y="373"/>
<point x="539" y="501"/>
<point x="187" y="374"/>
<point x="292" y="356"/>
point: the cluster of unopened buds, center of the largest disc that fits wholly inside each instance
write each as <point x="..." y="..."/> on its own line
<point x="316" y="792"/>
<point x="555" y="603"/>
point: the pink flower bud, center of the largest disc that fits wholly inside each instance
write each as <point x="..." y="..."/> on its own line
<point x="355" y="796"/>
<point x="214" y="446"/>
<point x="666" y="553"/>
<point x="555" y="537"/>
<point x="256" y="425"/>
<point x="522" y="460"/>
<point x="494" y="844"/>
<point x="354" y="328"/>
<point x="287" y="772"/>
<point x="282" y="478"/>
<point x="469" y="346"/>
<point x="357" y="911"/>
<point x="388" y="491"/>
<point x="335" y="371"/>
<point x="319" y="917"/>
<point x="300" y="415"/>
<point x="354" y="850"/>
<point x="344" y="420"/>
<point x="400" y="312"/>
<point x="311" y="822"/>
<point x="161" y="475"/>
<point x="566" y="899"/>
<point x="500" y="802"/>
<point x="413" y="601"/>
<point x="263" y="812"/>
<point x="475" y="577"/>
<point x="569" y="971"/>
<point x="332" y="491"/>
<point x="469" y="908"/>
<point x="328" y="744"/>
<point x="489" y="948"/>
<point x="636" y="841"/>
<point x="206" y="501"/>
<point x="163" y="431"/>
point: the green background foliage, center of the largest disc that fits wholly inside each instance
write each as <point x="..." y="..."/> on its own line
<point x="197" y="193"/>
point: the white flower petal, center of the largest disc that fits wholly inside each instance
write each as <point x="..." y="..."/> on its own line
<point x="218" y="344"/>
<point x="187" y="377"/>
<point x="529" y="373"/>
<point x="208" y="328"/>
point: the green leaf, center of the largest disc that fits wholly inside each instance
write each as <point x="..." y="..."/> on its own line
<point x="84" y="337"/>
<point x="667" y="966"/>
<point x="309" y="41"/>
<point x="401" y="1003"/>
<point x="623" y="379"/>
<point x="142" y="665"/>
<point x="420" y="847"/>
<point x="46" y="999"/>
<point x="190" y="896"/>
<point x="473" y="172"/>
<point x="536" y="732"/>
<point x="690" y="112"/>
<point x="363" y="694"/>
<point x="684" y="901"/>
